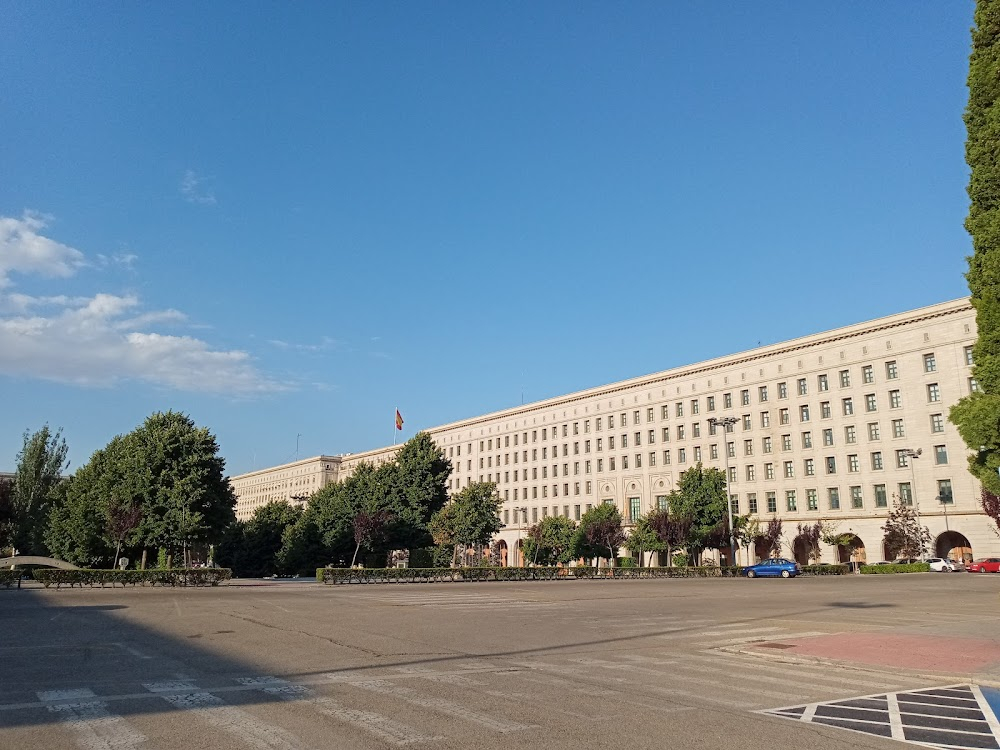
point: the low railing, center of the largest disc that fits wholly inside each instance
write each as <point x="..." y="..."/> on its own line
<point x="160" y="577"/>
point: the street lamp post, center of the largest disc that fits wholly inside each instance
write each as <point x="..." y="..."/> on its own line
<point x="726" y="423"/>
<point x="517" y="521"/>
<point x="944" y="504"/>
<point x="911" y="455"/>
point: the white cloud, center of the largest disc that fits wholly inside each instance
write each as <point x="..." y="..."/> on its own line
<point x="102" y="340"/>
<point x="23" y="250"/>
<point x="193" y="189"/>
<point x="325" y="343"/>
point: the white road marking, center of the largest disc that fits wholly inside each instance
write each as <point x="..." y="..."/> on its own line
<point x="95" y="727"/>
<point x="133" y="651"/>
<point x="816" y="673"/>
<point x="440" y="705"/>
<point x="373" y="723"/>
<point x="248" y="729"/>
<point x="895" y="720"/>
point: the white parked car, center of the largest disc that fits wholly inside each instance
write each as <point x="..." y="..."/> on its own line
<point x="940" y="565"/>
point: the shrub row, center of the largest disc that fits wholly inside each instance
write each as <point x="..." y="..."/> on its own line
<point x="9" y="577"/>
<point x="441" y="575"/>
<point x="894" y="568"/>
<point x="169" y="577"/>
<point x="826" y="570"/>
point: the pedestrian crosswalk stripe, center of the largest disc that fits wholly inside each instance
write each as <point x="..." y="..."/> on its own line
<point x="88" y="717"/>
<point x="247" y="728"/>
<point x="409" y="695"/>
<point x="373" y="723"/>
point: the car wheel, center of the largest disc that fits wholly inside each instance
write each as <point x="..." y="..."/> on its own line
<point x="982" y="570"/>
<point x="751" y="574"/>
<point x="786" y="574"/>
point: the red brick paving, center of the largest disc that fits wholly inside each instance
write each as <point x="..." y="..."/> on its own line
<point x="934" y="653"/>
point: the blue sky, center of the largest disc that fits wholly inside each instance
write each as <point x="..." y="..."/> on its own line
<point x="287" y="219"/>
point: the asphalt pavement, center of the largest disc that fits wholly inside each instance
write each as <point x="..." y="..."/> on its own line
<point x="810" y="662"/>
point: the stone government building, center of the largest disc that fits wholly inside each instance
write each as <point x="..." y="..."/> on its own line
<point x="824" y="425"/>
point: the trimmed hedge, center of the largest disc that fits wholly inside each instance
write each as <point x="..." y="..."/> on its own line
<point x="826" y="570"/>
<point x="447" y="575"/>
<point x="169" y="577"/>
<point x="9" y="577"/>
<point x="894" y="568"/>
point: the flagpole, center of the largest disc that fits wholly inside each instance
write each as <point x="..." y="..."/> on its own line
<point x="395" y="429"/>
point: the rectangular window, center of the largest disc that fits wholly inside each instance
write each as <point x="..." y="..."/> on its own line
<point x="944" y="491"/>
<point x="652" y="458"/>
<point x="634" y="508"/>
<point x="824" y="410"/>
<point x="906" y="493"/>
<point x="638" y="460"/>
<point x="747" y="424"/>
<point x="666" y="434"/>
<point x="895" y="399"/>
<point x="783" y="417"/>
<point x="652" y="436"/>
<point x="762" y="394"/>
<point x="748" y="447"/>
<point x="751" y="473"/>
<point x="727" y="400"/>
<point x="765" y="419"/>
<point x="870" y="404"/>
<point x="664" y="414"/>
<point x="804" y="413"/>
<point x="790" y="500"/>
<point x="873" y="431"/>
<point x="600" y="465"/>
<point x="881" y="500"/>
<point x="782" y="390"/>
<point x="823" y="383"/>
<point x="768" y="471"/>
<point x="930" y="364"/>
<point x="611" y="464"/>
<point x="845" y="378"/>
<point x="853" y="465"/>
<point x="848" y="407"/>
<point x="833" y="498"/>
<point x="772" y="502"/>
<point x="933" y="393"/>
<point x="766" y="444"/>
<point x="810" y="467"/>
<point x="661" y="502"/>
<point x="734" y="504"/>
<point x="694" y="406"/>
<point x="897" y="428"/>
<point x="891" y="371"/>
<point x="752" y="501"/>
<point x="710" y="403"/>
<point x="857" y="499"/>
<point x="624" y="462"/>
<point x="807" y="440"/>
<point x="940" y="455"/>
<point x="611" y="442"/>
<point x="877" y="461"/>
<point x="902" y="460"/>
<point x="680" y="432"/>
<point x="681" y="455"/>
<point x="649" y="415"/>
<point x="968" y="356"/>
<point x="624" y="441"/>
<point x="786" y="442"/>
<point x="697" y="453"/>
<point x="679" y="409"/>
<point x="812" y="502"/>
<point x="666" y="458"/>
<point x="576" y="512"/>
<point x="831" y="465"/>
<point x="867" y="374"/>
<point x="937" y="423"/>
<point x="850" y="435"/>
<point x="802" y="388"/>
<point x="713" y="451"/>
<point x="789" y="469"/>
<point x="745" y="398"/>
<point x="696" y="429"/>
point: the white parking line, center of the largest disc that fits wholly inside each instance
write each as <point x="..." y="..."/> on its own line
<point x="95" y="727"/>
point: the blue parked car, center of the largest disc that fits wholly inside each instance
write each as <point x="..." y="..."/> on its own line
<point x="777" y="566"/>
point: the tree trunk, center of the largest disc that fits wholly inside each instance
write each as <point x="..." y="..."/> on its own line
<point x="118" y="549"/>
<point x="142" y="566"/>
<point x="355" y="557"/>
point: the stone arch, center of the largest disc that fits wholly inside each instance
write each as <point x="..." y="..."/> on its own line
<point x="47" y="562"/>
<point x="800" y="551"/>
<point x="953" y="546"/>
<point x="503" y="553"/>
<point x="852" y="552"/>
<point x="519" y="554"/>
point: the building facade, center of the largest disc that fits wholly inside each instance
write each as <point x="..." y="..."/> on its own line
<point x="290" y="483"/>
<point x="825" y="428"/>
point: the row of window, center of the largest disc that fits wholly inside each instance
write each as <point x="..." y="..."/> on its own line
<point x="801" y="387"/>
<point x="634" y="506"/>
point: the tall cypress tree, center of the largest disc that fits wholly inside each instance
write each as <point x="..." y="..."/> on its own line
<point x="978" y="415"/>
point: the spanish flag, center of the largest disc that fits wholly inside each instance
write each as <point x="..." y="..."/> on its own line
<point x="399" y="420"/>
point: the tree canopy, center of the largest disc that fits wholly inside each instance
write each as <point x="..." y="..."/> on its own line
<point x="701" y="499"/>
<point x="549" y="541"/>
<point x="977" y="416"/>
<point x="40" y="464"/>
<point x="599" y="533"/>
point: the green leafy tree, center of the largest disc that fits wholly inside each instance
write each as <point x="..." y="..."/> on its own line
<point x="477" y="515"/>
<point x="250" y="547"/>
<point x="420" y="490"/>
<point x="7" y="525"/>
<point x="701" y="498"/>
<point x="599" y="534"/>
<point x="903" y="534"/>
<point x="748" y="533"/>
<point x="550" y="541"/>
<point x="644" y="538"/>
<point x="672" y="531"/>
<point x="40" y="463"/>
<point x="991" y="507"/>
<point x="977" y="416"/>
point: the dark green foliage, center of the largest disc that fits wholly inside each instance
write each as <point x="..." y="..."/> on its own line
<point x="894" y="568"/>
<point x="7" y="522"/>
<point x="809" y="536"/>
<point x="990" y="504"/>
<point x="978" y="416"/>
<point x="170" y="468"/>
<point x="771" y="536"/>
<point x="172" y="577"/>
<point x="701" y="499"/>
<point x="599" y="534"/>
<point x="904" y="536"/>
<point x="645" y="537"/>
<point x="550" y="541"/>
<point x="410" y="488"/>
<point x="333" y="576"/>
<point x="250" y="547"/>
<point x="40" y="463"/>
